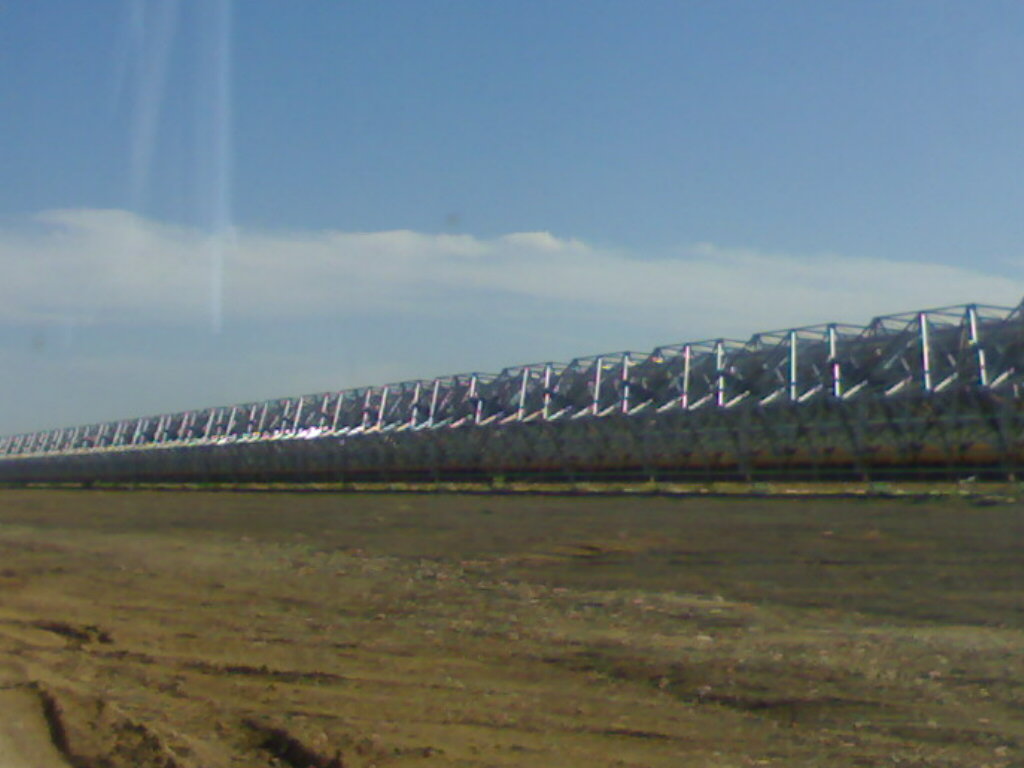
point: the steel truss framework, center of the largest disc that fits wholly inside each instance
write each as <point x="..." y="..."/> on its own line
<point x="935" y="391"/>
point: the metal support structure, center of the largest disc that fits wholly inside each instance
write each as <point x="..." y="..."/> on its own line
<point x="856" y="390"/>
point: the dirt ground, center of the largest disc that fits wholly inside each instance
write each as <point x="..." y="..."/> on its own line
<point x="187" y="629"/>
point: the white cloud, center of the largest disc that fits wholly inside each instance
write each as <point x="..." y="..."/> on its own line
<point x="110" y="265"/>
<point x="307" y="311"/>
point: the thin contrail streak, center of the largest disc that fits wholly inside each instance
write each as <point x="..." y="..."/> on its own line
<point x="152" y="31"/>
<point x="221" y="136"/>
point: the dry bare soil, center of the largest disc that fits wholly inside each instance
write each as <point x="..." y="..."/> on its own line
<point x="185" y="629"/>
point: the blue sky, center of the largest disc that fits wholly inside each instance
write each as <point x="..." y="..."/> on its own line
<point x="210" y="201"/>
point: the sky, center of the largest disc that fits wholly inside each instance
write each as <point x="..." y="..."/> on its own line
<point x="218" y="201"/>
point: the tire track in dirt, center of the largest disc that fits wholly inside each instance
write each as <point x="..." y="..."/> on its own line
<point x="26" y="740"/>
<point x="27" y="736"/>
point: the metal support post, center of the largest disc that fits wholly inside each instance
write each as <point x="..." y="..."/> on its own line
<point x="720" y="371"/>
<point x="382" y="407"/>
<point x="975" y="342"/>
<point x="325" y="401"/>
<point x="684" y="400"/>
<point x="793" y="389"/>
<point x="366" y="406"/>
<point x="414" y="410"/>
<point x="433" y="402"/>
<point x="522" y="394"/>
<point x="208" y="429"/>
<point x="837" y="373"/>
<point x="926" y="355"/>
<point x="477" y="402"/>
<point x="625" y="383"/>
<point x="547" y="392"/>
<point x="337" y="411"/>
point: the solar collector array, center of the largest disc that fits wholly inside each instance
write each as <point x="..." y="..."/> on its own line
<point x="925" y="389"/>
